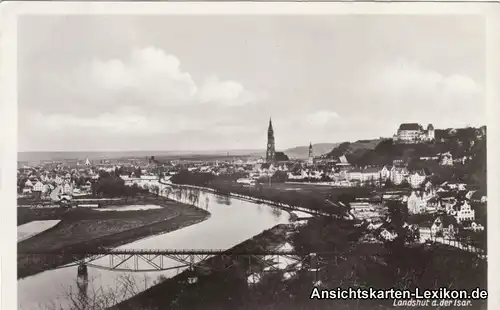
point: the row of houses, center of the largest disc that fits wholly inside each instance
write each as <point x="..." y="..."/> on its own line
<point x="43" y="189"/>
<point x="397" y="175"/>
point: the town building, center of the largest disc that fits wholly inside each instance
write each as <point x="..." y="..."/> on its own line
<point x="416" y="203"/>
<point x="464" y="212"/>
<point x="398" y="175"/>
<point x="446" y="159"/>
<point x="343" y="163"/>
<point x="385" y="173"/>
<point x="446" y="225"/>
<point x="416" y="179"/>
<point x="38" y="187"/>
<point x="366" y="174"/>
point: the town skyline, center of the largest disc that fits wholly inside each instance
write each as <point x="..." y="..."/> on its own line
<point x="181" y="90"/>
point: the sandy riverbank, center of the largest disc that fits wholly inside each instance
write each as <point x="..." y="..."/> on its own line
<point x="82" y="228"/>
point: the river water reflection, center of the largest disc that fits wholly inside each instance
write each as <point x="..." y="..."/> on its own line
<point x="232" y="221"/>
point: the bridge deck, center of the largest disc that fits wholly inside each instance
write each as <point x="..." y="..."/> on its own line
<point x="105" y="251"/>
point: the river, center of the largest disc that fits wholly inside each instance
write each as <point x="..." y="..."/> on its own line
<point x="232" y="221"/>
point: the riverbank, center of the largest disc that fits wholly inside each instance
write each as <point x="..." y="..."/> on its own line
<point x="259" y="199"/>
<point x="362" y="264"/>
<point x="34" y="228"/>
<point x="83" y="229"/>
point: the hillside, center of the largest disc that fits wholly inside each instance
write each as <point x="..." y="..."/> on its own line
<point x="459" y="142"/>
<point x="302" y="152"/>
<point x="354" y="149"/>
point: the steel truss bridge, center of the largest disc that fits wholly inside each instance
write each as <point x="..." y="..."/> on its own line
<point x="125" y="260"/>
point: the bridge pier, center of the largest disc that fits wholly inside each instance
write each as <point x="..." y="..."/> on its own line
<point x="314" y="268"/>
<point x="193" y="278"/>
<point x="82" y="281"/>
<point x="82" y="273"/>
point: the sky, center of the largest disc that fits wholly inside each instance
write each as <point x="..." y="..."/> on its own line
<point x="94" y="83"/>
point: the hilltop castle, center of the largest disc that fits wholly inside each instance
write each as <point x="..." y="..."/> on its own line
<point x="414" y="133"/>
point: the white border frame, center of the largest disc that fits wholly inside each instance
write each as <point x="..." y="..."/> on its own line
<point x="8" y="94"/>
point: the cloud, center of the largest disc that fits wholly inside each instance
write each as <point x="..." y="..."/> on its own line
<point x="405" y="77"/>
<point x="144" y="94"/>
<point x="153" y="74"/>
<point x="127" y="121"/>
<point x="321" y="118"/>
<point x="149" y="71"/>
<point x="106" y="123"/>
<point x="214" y="90"/>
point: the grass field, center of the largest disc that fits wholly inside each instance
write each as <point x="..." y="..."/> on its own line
<point x="311" y="196"/>
<point x="312" y="189"/>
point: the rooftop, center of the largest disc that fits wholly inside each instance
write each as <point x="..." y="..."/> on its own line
<point x="410" y="126"/>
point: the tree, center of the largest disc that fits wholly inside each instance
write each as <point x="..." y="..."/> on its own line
<point x="112" y="186"/>
<point x="279" y="177"/>
<point x="192" y="178"/>
<point x="385" y="146"/>
<point x="138" y="172"/>
<point x="404" y="184"/>
<point x="80" y="181"/>
<point x="280" y="156"/>
<point x="388" y="183"/>
<point x="346" y="199"/>
<point x="21" y="183"/>
<point x="397" y="215"/>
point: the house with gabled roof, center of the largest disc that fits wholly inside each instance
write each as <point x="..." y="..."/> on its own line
<point x="464" y="212"/>
<point x="417" y="178"/>
<point x="445" y="224"/>
<point x="38" y="187"/>
<point x="446" y="159"/>
<point x="478" y="197"/>
<point x="68" y="189"/>
<point x="399" y="174"/>
<point x="385" y="172"/>
<point x="28" y="184"/>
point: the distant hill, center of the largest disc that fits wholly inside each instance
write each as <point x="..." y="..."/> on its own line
<point x="302" y="152"/>
<point x="97" y="155"/>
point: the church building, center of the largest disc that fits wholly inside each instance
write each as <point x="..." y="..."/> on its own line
<point x="271" y="151"/>
<point x="310" y="159"/>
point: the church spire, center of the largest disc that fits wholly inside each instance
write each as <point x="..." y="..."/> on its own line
<point x="311" y="156"/>
<point x="270" y="154"/>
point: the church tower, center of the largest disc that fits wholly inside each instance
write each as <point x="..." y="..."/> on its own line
<point x="310" y="160"/>
<point x="270" y="154"/>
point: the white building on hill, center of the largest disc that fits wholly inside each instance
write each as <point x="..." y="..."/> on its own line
<point x="414" y="133"/>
